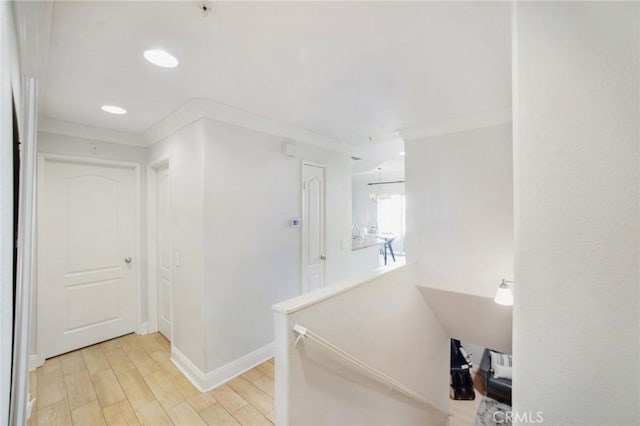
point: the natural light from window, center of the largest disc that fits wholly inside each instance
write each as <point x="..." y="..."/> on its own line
<point x="391" y="215"/>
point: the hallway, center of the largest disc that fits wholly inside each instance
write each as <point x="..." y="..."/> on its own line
<point x="130" y="380"/>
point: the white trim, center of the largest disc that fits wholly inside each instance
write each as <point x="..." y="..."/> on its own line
<point x="283" y="335"/>
<point x="478" y="120"/>
<point x="35" y="361"/>
<point x="188" y="113"/>
<point x="26" y="250"/>
<point x="65" y="128"/>
<point x="143" y="328"/>
<point x="211" y="380"/>
<point x="305" y="300"/>
<point x="195" y="109"/>
<point x="8" y="63"/>
<point x="34" y="21"/>
<point x="140" y="325"/>
<point x="88" y="160"/>
<point x="313" y="163"/>
<point x="152" y="258"/>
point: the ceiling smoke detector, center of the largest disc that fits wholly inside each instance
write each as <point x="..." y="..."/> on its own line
<point x="205" y="7"/>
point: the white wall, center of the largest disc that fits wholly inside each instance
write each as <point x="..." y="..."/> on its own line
<point x="472" y="318"/>
<point x="233" y="193"/>
<point x="384" y="322"/>
<point x="80" y="147"/>
<point x="460" y="209"/>
<point x="576" y="323"/>
<point x="252" y="255"/>
<point x="186" y="150"/>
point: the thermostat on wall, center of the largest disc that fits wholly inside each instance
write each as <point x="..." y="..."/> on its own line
<point x="295" y="222"/>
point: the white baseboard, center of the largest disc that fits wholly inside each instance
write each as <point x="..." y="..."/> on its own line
<point x="35" y="362"/>
<point x="188" y="368"/>
<point x="207" y="381"/>
<point x="143" y="328"/>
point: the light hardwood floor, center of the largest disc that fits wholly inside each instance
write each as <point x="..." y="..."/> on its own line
<point x="463" y="413"/>
<point x="131" y="381"/>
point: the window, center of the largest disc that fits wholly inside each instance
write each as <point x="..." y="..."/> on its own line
<point x="391" y="218"/>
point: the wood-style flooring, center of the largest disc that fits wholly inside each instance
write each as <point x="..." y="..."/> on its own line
<point x="131" y="381"/>
<point x="463" y="413"/>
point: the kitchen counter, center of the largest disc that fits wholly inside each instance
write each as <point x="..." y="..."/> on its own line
<point x="371" y="241"/>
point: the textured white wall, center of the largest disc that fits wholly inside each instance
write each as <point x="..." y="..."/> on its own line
<point x="251" y="254"/>
<point x="576" y="322"/>
<point x="460" y="209"/>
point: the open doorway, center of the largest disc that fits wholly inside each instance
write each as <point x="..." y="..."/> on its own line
<point x="480" y="384"/>
<point x="378" y="207"/>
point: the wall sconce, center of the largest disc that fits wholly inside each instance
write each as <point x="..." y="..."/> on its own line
<point x="504" y="295"/>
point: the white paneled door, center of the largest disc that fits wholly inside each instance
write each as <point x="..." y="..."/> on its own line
<point x="313" y="226"/>
<point x="87" y="265"/>
<point x="163" y="251"/>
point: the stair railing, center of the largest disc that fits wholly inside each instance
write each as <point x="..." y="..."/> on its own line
<point x="305" y="333"/>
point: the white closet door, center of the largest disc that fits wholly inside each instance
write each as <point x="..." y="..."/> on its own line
<point x="313" y="227"/>
<point x="87" y="289"/>
<point x="165" y="314"/>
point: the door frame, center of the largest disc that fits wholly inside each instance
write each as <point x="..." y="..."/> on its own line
<point x="26" y="256"/>
<point x="152" y="246"/>
<point x="303" y="224"/>
<point x="42" y="158"/>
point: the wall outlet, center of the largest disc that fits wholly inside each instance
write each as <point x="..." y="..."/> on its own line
<point x="178" y="259"/>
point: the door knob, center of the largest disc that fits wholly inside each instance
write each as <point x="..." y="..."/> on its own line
<point x="127" y="260"/>
<point x="323" y="257"/>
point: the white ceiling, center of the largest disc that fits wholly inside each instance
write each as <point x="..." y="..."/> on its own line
<point x="384" y="155"/>
<point x="344" y="70"/>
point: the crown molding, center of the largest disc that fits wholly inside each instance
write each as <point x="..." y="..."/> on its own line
<point x="65" y="128"/>
<point x="458" y="124"/>
<point x="188" y="113"/>
<point x="196" y="109"/>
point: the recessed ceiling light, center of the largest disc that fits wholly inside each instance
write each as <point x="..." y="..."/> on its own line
<point x="402" y="153"/>
<point x="161" y="58"/>
<point x="111" y="109"/>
